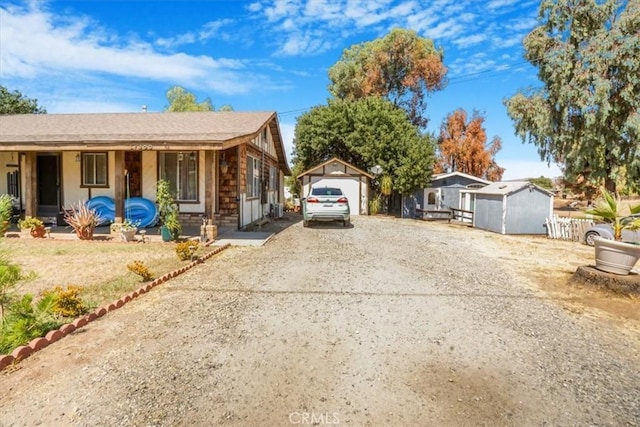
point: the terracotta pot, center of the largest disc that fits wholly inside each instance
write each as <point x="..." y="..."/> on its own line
<point x="38" y="231"/>
<point x="615" y="257"/>
<point x="85" y="234"/>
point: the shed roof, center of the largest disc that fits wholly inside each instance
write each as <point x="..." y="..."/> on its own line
<point x="335" y="159"/>
<point x="508" y="187"/>
<point x="436" y="176"/>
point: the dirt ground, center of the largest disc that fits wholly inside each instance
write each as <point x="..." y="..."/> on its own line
<point x="389" y="322"/>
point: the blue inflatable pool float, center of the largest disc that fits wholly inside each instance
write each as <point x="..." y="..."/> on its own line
<point x="138" y="210"/>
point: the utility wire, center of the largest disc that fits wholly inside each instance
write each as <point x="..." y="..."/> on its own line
<point x="470" y="77"/>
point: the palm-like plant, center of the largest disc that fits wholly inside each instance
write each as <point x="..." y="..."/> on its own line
<point x="610" y="210"/>
<point x="83" y="220"/>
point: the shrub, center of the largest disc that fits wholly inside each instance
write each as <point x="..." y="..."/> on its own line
<point x="168" y="210"/>
<point x="9" y="276"/>
<point x="30" y="222"/>
<point x="186" y="249"/>
<point x="6" y="207"/>
<point x="26" y="321"/>
<point x="67" y="301"/>
<point x="374" y="206"/>
<point x="141" y="270"/>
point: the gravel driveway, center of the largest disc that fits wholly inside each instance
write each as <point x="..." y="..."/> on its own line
<point x="389" y="322"/>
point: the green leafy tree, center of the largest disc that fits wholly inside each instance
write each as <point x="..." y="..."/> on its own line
<point x="365" y="132"/>
<point x="543" y="182"/>
<point x="15" y="103"/>
<point x="181" y="100"/>
<point x="587" y="115"/>
<point x="400" y="66"/>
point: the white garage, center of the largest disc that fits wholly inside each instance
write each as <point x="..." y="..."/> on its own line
<point x="353" y="182"/>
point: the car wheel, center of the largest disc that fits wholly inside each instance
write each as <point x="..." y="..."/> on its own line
<point x="588" y="238"/>
<point x="305" y="223"/>
<point x="346" y="223"/>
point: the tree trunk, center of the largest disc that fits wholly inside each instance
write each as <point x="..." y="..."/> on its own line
<point x="610" y="185"/>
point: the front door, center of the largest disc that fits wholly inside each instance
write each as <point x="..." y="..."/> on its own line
<point x="48" y="184"/>
<point x="133" y="174"/>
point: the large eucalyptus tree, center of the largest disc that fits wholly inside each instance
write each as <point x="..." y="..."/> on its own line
<point x="587" y="114"/>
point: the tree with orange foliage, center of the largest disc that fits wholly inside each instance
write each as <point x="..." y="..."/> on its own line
<point x="462" y="147"/>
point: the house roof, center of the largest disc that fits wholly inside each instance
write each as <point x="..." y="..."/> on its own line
<point x="162" y="131"/>
<point x="335" y="159"/>
<point x="508" y="187"/>
<point x="462" y="174"/>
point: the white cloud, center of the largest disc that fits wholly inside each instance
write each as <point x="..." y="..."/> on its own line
<point x="67" y="44"/>
<point x="470" y="40"/>
<point x="497" y="4"/>
<point x="208" y="31"/>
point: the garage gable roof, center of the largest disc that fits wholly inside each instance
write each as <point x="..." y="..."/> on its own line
<point x="319" y="170"/>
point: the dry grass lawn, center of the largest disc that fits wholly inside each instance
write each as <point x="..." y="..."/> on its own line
<point x="99" y="267"/>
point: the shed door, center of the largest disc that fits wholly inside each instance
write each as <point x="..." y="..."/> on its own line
<point x="432" y="199"/>
<point x="350" y="187"/>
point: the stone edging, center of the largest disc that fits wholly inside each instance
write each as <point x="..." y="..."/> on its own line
<point x="37" y="344"/>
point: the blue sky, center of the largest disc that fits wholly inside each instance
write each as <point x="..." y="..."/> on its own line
<point x="116" y="56"/>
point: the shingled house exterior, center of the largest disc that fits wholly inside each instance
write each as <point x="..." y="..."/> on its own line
<point x="229" y="165"/>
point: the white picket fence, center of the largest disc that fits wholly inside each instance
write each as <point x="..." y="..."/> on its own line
<point x="564" y="228"/>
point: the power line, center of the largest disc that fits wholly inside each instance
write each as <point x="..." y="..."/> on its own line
<point x="465" y="78"/>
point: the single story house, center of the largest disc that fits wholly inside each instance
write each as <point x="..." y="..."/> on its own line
<point x="229" y="166"/>
<point x="353" y="182"/>
<point x="512" y="207"/>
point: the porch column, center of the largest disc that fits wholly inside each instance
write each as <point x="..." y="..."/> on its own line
<point x="209" y="183"/>
<point x="118" y="191"/>
<point x="30" y="184"/>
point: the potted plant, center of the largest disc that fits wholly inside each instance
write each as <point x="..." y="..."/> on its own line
<point x="6" y="210"/>
<point x="33" y="224"/>
<point x="128" y="230"/>
<point x="82" y="220"/>
<point x="168" y="212"/>
<point x="615" y="256"/>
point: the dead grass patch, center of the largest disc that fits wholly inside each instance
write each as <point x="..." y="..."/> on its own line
<point x="99" y="267"/>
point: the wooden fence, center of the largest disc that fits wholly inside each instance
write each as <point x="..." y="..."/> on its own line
<point x="567" y="228"/>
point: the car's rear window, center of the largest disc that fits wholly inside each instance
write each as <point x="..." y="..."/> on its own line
<point x="326" y="191"/>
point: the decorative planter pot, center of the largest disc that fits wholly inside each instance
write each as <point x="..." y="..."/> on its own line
<point x="615" y="257"/>
<point x="38" y="231"/>
<point x="166" y="234"/>
<point x="128" y="235"/>
<point x="85" y="234"/>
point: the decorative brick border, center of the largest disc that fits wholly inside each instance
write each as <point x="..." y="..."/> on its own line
<point x="24" y="351"/>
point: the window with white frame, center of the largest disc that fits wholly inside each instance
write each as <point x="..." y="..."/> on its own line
<point x="94" y="170"/>
<point x="180" y="169"/>
<point x="253" y="177"/>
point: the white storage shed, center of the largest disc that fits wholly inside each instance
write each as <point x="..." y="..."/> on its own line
<point x="512" y="207"/>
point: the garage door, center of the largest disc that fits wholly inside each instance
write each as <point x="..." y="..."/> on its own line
<point x="349" y="186"/>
